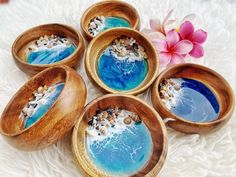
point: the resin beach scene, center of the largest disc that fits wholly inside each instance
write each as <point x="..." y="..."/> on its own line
<point x="189" y="99"/>
<point x="49" y="49"/>
<point x="118" y="142"/>
<point x="123" y="65"/>
<point x="40" y="102"/>
<point x="101" y="23"/>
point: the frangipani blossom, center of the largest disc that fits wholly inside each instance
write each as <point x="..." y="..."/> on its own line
<point x="172" y="50"/>
<point x="159" y="29"/>
<point x="197" y="38"/>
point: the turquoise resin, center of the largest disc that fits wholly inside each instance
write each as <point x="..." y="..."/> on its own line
<point x="45" y="107"/>
<point x="124" y="153"/>
<point x="121" y="75"/>
<point x="112" y="22"/>
<point x="49" y="56"/>
<point x="195" y="101"/>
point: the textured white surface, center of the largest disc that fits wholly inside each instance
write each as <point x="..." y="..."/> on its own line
<point x="212" y="155"/>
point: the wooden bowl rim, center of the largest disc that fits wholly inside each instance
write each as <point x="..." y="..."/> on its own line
<point x="65" y="68"/>
<point x="200" y="67"/>
<point x="64" y="61"/>
<point x="137" y="21"/>
<point x="139" y="89"/>
<point x="74" y="137"/>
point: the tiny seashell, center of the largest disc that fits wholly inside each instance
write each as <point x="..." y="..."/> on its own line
<point x="127" y="120"/>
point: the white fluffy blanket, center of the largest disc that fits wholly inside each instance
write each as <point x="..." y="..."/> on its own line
<point x="212" y="155"/>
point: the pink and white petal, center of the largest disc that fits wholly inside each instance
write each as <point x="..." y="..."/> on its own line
<point x="165" y="58"/>
<point x="169" y="22"/>
<point x="176" y="59"/>
<point x="167" y="17"/>
<point x="161" y="45"/>
<point x="197" y="51"/>
<point x="186" y="30"/>
<point x="172" y="38"/>
<point x="156" y="35"/>
<point x="147" y="30"/>
<point x="199" y="36"/>
<point x="155" y="24"/>
<point x="183" y="47"/>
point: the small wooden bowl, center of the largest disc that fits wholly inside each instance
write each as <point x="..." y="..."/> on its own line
<point x="20" y="44"/>
<point x="149" y="116"/>
<point x="56" y="122"/>
<point x="110" y="8"/>
<point x="212" y="80"/>
<point x="98" y="45"/>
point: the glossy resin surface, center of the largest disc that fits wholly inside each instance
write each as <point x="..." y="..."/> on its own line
<point x="120" y="144"/>
<point x="189" y="99"/>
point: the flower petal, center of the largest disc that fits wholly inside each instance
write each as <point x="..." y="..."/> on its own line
<point x="186" y="30"/>
<point x="183" y="47"/>
<point x="176" y="59"/>
<point x="199" y="36"/>
<point x="147" y="31"/>
<point x="165" y="58"/>
<point x="156" y="35"/>
<point x="167" y="17"/>
<point x="197" y="51"/>
<point x="161" y="45"/>
<point x="172" y="38"/>
<point x="155" y="24"/>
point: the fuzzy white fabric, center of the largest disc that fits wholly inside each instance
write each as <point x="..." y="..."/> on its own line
<point x="212" y="155"/>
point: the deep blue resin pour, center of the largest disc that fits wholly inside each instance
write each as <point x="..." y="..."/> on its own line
<point x="123" y="153"/>
<point x="121" y="75"/>
<point x="112" y="22"/>
<point x="48" y="56"/>
<point x="194" y="101"/>
<point x="42" y="109"/>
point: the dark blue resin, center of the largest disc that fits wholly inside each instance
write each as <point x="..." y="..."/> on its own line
<point x="197" y="102"/>
<point x="49" y="56"/>
<point x="121" y="75"/>
<point x="44" y="108"/>
<point x="124" y="153"/>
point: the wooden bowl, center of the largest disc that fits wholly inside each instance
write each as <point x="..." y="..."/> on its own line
<point x="213" y="81"/>
<point x="97" y="46"/>
<point x="110" y="8"/>
<point x="20" y="45"/>
<point x="149" y="116"/>
<point x="56" y="122"/>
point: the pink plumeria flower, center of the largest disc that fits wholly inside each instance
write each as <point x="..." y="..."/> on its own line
<point x="172" y="50"/>
<point x="197" y="38"/>
<point x="157" y="27"/>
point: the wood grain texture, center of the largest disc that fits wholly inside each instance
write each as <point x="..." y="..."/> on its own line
<point x="57" y="121"/>
<point x="212" y="80"/>
<point x="110" y="8"/>
<point x="149" y="116"/>
<point x="99" y="44"/>
<point x="48" y="29"/>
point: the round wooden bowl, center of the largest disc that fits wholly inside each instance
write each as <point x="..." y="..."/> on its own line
<point x="149" y="116"/>
<point x="20" y="44"/>
<point x="212" y="80"/>
<point x="56" y="122"/>
<point x="110" y="8"/>
<point x="98" y="45"/>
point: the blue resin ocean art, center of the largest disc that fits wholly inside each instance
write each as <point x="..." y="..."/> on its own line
<point x="101" y="23"/>
<point x="123" y="65"/>
<point x="118" y="142"/>
<point x="40" y="103"/>
<point x="50" y="49"/>
<point x="189" y="99"/>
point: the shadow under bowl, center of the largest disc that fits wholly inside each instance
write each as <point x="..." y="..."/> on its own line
<point x="150" y="118"/>
<point x="102" y="41"/>
<point x="19" y="47"/>
<point x="110" y="9"/>
<point x="216" y="83"/>
<point x="59" y="118"/>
